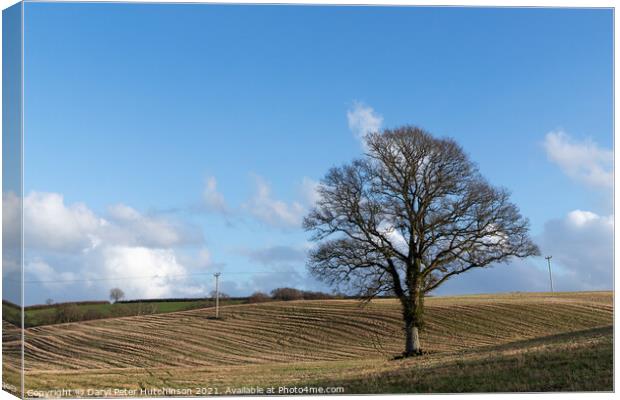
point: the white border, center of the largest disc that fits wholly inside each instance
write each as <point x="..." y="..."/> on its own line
<point x="475" y="3"/>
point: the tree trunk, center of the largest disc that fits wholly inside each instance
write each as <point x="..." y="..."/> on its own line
<point x="413" y="308"/>
<point x="412" y="340"/>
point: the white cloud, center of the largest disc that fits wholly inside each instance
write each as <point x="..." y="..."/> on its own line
<point x="363" y="120"/>
<point x="50" y="278"/>
<point x="581" y="244"/>
<point x="159" y="272"/>
<point x="583" y="161"/>
<point x="262" y="205"/>
<point x="582" y="248"/>
<point x="272" y="211"/>
<point x="213" y="200"/>
<point x="396" y="239"/>
<point x="124" y="244"/>
<point x="49" y="223"/>
<point x="197" y="259"/>
<point x="128" y="226"/>
<point x="580" y="219"/>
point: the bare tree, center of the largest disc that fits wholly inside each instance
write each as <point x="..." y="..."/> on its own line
<point x="258" y="297"/>
<point x="49" y="302"/>
<point x="223" y="295"/>
<point x="286" y="294"/>
<point x="411" y="214"/>
<point x="116" y="294"/>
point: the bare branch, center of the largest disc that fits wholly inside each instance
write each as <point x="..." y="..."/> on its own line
<point x="412" y="214"/>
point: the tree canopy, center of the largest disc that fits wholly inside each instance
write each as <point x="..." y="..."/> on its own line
<point x="411" y="214"/>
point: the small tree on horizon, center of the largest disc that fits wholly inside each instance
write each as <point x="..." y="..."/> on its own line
<point x="411" y="214"/>
<point x="223" y="295"/>
<point x="286" y="294"/>
<point x="116" y="294"/>
<point x="258" y="297"/>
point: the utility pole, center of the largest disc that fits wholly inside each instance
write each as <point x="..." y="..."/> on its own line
<point x="217" y="294"/>
<point x="548" y="258"/>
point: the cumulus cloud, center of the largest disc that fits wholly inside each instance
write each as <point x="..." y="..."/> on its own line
<point x="48" y="275"/>
<point x="157" y="270"/>
<point x="272" y="211"/>
<point x="51" y="224"/>
<point x="213" y="200"/>
<point x="584" y="161"/>
<point x="363" y="120"/>
<point x="262" y="205"/>
<point x="395" y="237"/>
<point x="128" y="226"/>
<point x="581" y="244"/>
<point x="123" y="243"/>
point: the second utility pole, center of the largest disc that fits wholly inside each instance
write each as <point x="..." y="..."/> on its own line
<point x="217" y="294"/>
<point x="548" y="258"/>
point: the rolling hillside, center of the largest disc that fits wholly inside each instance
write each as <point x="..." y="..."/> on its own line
<point x="318" y="339"/>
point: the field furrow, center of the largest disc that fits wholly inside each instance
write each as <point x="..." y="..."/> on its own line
<point x="303" y="331"/>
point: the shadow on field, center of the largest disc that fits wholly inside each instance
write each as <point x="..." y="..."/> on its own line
<point x="573" y="361"/>
<point x="552" y="339"/>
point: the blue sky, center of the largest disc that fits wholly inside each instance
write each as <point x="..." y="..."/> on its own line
<point x="186" y="138"/>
